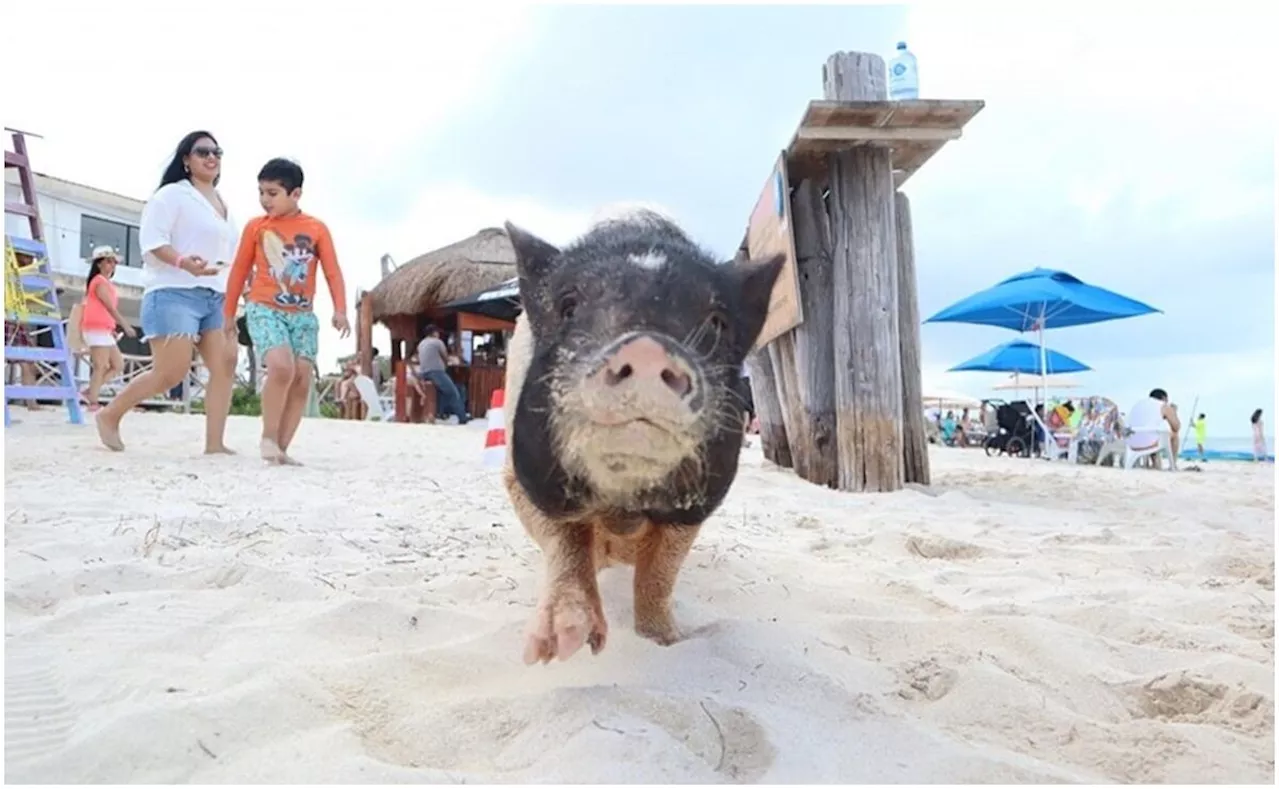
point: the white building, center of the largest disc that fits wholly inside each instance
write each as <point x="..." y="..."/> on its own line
<point x="76" y="218"/>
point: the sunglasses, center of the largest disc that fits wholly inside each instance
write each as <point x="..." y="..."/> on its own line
<point x="204" y="152"/>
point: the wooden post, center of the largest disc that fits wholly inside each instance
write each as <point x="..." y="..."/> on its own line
<point x="364" y="333"/>
<point x="764" y="392"/>
<point x="816" y="459"/>
<point x="782" y="357"/>
<point x="401" y="384"/>
<point x="868" y="372"/>
<point x="397" y="372"/>
<point x="915" y="442"/>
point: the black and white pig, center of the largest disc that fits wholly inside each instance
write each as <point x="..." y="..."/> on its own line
<point x="625" y="412"/>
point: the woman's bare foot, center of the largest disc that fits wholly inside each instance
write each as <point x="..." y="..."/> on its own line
<point x="109" y="431"/>
<point x="287" y="460"/>
<point x="271" y="451"/>
<point x="219" y="450"/>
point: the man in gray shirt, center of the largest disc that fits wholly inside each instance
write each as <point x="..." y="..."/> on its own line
<point x="433" y="366"/>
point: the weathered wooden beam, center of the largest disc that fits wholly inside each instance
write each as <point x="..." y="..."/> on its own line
<point x="782" y="356"/>
<point x="814" y="340"/>
<point x="855" y="76"/>
<point x="780" y="389"/>
<point x="855" y="134"/>
<point x="764" y="392"/>
<point x="868" y="373"/>
<point x="915" y="442"/>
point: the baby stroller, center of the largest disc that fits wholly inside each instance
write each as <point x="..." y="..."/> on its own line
<point x="1015" y="433"/>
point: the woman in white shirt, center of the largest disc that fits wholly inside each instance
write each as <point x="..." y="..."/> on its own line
<point x="187" y="240"/>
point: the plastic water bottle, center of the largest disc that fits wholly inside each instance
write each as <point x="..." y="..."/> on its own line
<point x="904" y="77"/>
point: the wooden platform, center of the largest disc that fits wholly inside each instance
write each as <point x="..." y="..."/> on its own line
<point x="914" y="130"/>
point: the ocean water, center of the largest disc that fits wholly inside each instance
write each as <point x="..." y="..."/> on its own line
<point x="1225" y="448"/>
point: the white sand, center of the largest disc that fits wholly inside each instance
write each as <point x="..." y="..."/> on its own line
<point x="171" y="617"/>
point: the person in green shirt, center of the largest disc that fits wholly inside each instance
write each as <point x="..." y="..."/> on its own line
<point x="1200" y="433"/>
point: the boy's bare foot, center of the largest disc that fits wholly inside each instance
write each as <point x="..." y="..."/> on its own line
<point x="219" y="450"/>
<point x="109" y="432"/>
<point x="271" y="451"/>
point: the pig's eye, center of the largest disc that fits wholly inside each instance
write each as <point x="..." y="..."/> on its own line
<point x="719" y="323"/>
<point x="568" y="305"/>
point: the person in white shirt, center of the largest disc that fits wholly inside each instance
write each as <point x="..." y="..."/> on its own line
<point x="1150" y="417"/>
<point x="187" y="239"/>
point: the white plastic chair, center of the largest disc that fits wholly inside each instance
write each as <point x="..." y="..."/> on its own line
<point x="1132" y="455"/>
<point x="369" y="394"/>
<point x="1052" y="450"/>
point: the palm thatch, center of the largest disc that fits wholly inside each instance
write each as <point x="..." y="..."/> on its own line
<point x="460" y="269"/>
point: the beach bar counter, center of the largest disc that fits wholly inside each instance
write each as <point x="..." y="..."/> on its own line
<point x="434" y="289"/>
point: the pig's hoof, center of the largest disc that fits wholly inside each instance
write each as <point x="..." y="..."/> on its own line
<point x="661" y="630"/>
<point x="564" y="621"/>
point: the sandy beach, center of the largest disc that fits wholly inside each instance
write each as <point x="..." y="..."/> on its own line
<point x="176" y="618"/>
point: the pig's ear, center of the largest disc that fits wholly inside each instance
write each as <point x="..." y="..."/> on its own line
<point x="533" y="255"/>
<point x="534" y="259"/>
<point x="756" y="279"/>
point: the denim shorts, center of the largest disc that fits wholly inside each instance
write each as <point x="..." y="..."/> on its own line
<point x="181" y="312"/>
<point x="272" y="328"/>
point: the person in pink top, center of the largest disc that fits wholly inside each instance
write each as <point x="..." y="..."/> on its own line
<point x="99" y="321"/>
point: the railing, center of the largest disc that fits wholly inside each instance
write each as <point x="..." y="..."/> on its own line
<point x="326" y="394"/>
<point x="134" y="366"/>
<point x="193" y="385"/>
<point x="47" y="373"/>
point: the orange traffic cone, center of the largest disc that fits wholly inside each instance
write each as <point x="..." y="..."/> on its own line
<point x="495" y="439"/>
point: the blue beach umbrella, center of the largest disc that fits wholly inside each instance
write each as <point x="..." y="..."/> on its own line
<point x="1020" y="356"/>
<point x="1041" y="299"/>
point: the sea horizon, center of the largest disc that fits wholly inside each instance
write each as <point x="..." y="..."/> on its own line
<point x="1223" y="447"/>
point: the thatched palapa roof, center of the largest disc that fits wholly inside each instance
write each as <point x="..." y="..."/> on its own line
<point x="460" y="269"/>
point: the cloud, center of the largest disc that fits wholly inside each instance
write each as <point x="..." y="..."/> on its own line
<point x="348" y="94"/>
<point x="1118" y="110"/>
<point x="1130" y="147"/>
<point x="443" y="213"/>
<point x="342" y="91"/>
<point x="439" y="215"/>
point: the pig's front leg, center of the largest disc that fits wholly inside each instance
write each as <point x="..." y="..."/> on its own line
<point x="569" y="611"/>
<point x="658" y="559"/>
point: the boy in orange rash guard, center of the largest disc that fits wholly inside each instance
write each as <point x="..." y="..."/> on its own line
<point x="283" y="251"/>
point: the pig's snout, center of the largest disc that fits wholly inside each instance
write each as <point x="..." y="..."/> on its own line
<point x="643" y="360"/>
<point x="633" y="420"/>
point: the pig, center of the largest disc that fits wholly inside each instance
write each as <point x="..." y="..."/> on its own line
<point x="624" y="413"/>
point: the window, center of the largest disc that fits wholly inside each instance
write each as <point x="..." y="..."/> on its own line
<point x="133" y="254"/>
<point x="95" y="231"/>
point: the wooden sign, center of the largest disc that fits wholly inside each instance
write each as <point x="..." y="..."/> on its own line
<point x="770" y="232"/>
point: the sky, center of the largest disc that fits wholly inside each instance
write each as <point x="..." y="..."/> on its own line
<point x="1132" y="148"/>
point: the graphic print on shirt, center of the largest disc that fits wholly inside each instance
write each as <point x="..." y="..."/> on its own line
<point x="289" y="265"/>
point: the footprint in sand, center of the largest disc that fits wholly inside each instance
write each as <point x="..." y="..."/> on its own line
<point x="1184" y="697"/>
<point x="926" y="680"/>
<point x="38" y="718"/>
<point x="228" y="576"/>
<point x="531" y="734"/>
<point x="933" y="547"/>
